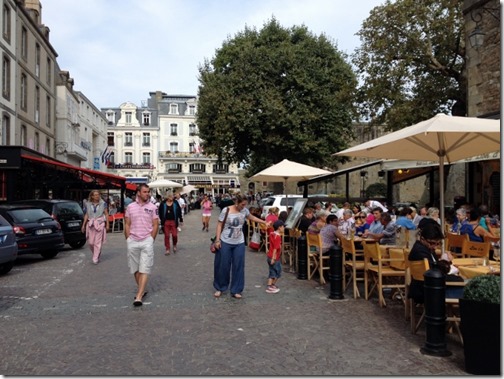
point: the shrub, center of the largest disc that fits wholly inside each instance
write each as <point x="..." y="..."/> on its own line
<point x="483" y="288"/>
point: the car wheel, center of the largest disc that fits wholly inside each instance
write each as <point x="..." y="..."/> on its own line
<point x="6" y="267"/>
<point x="77" y="245"/>
<point x="49" y="254"/>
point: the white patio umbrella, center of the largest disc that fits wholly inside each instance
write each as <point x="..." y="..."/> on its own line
<point x="288" y="171"/>
<point x="187" y="189"/>
<point x="164" y="183"/>
<point x="442" y="138"/>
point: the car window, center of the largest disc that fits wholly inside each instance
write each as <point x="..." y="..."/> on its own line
<point x="68" y="209"/>
<point x="28" y="215"/>
<point x="3" y="221"/>
<point x="270" y="201"/>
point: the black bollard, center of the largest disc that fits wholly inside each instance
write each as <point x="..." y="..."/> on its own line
<point x="435" y="314"/>
<point x="302" y="256"/>
<point x="336" y="272"/>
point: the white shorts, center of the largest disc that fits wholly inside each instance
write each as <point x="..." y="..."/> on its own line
<point x="207" y="214"/>
<point x="140" y="255"/>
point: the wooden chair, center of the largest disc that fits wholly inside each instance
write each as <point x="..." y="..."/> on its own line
<point x="314" y="246"/>
<point x="377" y="267"/>
<point x="453" y="243"/>
<point x="294" y="235"/>
<point x="415" y="270"/>
<point x="250" y="228"/>
<point x="351" y="265"/>
<point x="264" y="237"/>
<point x="475" y="249"/>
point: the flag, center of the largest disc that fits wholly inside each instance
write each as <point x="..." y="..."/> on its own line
<point x="104" y="154"/>
<point x="107" y="158"/>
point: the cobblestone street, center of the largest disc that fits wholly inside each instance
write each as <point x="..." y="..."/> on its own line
<point x="66" y="316"/>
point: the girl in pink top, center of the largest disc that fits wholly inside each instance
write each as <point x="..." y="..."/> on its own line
<point x="206" y="206"/>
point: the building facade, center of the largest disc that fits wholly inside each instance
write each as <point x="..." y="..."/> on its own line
<point x="160" y="141"/>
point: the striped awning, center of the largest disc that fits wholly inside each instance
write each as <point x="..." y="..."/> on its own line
<point x="199" y="179"/>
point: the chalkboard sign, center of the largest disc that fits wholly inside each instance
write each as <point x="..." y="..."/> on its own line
<point x="296" y="213"/>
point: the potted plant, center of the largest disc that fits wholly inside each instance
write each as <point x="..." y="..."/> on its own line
<point x="480" y="325"/>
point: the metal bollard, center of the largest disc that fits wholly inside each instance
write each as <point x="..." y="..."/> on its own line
<point x="302" y="256"/>
<point x="435" y="314"/>
<point x="336" y="272"/>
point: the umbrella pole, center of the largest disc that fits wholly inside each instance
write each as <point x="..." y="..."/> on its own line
<point x="441" y="195"/>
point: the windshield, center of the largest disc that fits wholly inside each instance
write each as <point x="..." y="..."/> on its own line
<point x="28" y="215"/>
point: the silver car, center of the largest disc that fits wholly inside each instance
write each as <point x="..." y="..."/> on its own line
<point x="8" y="246"/>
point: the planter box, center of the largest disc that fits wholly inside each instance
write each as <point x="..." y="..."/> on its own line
<point x="480" y="327"/>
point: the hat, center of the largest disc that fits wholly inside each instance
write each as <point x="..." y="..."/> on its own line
<point x="277" y="224"/>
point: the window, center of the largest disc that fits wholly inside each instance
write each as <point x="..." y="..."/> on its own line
<point x="173" y="109"/>
<point x="173" y="147"/>
<point x="5" y="131"/>
<point x="220" y="168"/>
<point x="128" y="139"/>
<point x="197" y="168"/>
<point x="128" y="118"/>
<point x="37" y="60"/>
<point x="47" y="146"/>
<point x="111" y="158"/>
<point x="192" y="110"/>
<point x="146" y="139"/>
<point x="24" y="92"/>
<point x="6" y="26"/>
<point x="6" y="77"/>
<point x="192" y="147"/>
<point x="24" y="43"/>
<point x="111" y="118"/>
<point x="24" y="137"/>
<point x="174" y="168"/>
<point x="173" y="129"/>
<point x="146" y="158"/>
<point x="49" y="71"/>
<point x="128" y="158"/>
<point x="37" y="104"/>
<point x="48" y="111"/>
<point x="36" y="142"/>
<point x="146" y="118"/>
<point x="192" y="129"/>
<point x="110" y="138"/>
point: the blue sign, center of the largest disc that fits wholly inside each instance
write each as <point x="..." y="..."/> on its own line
<point x="96" y="163"/>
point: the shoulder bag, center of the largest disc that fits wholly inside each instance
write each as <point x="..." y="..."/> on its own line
<point x="213" y="249"/>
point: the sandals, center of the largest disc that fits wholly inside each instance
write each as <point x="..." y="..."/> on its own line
<point x="237" y="296"/>
<point x="217" y="294"/>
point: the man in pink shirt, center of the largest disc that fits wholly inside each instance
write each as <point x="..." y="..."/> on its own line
<point x="140" y="229"/>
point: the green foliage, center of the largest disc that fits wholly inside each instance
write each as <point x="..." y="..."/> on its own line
<point x="276" y="94"/>
<point x="484" y="288"/>
<point x="376" y="190"/>
<point x="411" y="61"/>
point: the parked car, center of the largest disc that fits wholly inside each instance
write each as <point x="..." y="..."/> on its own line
<point x="279" y="201"/>
<point x="8" y="246"/>
<point x="68" y="213"/>
<point x="36" y="231"/>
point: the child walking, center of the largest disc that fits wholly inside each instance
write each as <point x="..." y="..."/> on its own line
<point x="274" y="256"/>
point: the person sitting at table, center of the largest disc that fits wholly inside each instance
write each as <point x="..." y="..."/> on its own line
<point x="330" y="233"/>
<point x="433" y="213"/>
<point x="461" y="217"/>
<point x="360" y="223"/>
<point x="356" y="209"/>
<point x="388" y="235"/>
<point x="320" y="221"/>
<point x="485" y="219"/>
<point x="430" y="237"/>
<point x="405" y="219"/>
<point x="376" y="226"/>
<point x="346" y="223"/>
<point x="339" y="213"/>
<point x="422" y="212"/>
<point x="306" y="219"/>
<point x="473" y="228"/>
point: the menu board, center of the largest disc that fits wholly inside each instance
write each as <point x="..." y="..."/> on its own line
<point x="296" y="213"/>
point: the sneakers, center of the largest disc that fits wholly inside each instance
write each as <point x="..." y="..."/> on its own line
<point x="272" y="289"/>
<point x="179" y="229"/>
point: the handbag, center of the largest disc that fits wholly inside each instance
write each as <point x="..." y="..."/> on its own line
<point x="255" y="240"/>
<point x="213" y="248"/>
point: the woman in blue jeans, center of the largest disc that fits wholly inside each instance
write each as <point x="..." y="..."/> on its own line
<point x="229" y="263"/>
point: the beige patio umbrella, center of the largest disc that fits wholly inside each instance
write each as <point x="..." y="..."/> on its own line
<point x="288" y="171"/>
<point x="187" y="189"/>
<point x="442" y="138"/>
<point x="164" y="183"/>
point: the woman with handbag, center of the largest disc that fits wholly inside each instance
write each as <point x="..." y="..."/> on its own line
<point x="229" y="263"/>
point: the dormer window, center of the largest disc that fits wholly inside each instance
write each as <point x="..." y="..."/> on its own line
<point x="173" y="109"/>
<point x="146" y="118"/>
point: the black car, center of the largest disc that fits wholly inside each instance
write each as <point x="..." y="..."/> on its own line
<point x="36" y="231"/>
<point x="68" y="213"/>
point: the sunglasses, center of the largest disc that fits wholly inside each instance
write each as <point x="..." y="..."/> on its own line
<point x="361" y="217"/>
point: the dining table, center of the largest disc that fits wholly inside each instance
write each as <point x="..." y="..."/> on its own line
<point x="471" y="267"/>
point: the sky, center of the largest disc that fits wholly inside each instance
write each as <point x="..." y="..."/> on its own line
<point x="120" y="50"/>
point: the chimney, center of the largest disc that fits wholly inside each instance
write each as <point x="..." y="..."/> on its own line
<point x="34" y="8"/>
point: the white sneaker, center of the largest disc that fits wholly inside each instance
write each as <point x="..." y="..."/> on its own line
<point x="179" y="229"/>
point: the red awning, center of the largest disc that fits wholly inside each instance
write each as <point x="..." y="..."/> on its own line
<point x="85" y="174"/>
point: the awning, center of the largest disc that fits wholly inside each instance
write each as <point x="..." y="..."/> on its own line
<point x="338" y="173"/>
<point x="203" y="179"/>
<point x="85" y="174"/>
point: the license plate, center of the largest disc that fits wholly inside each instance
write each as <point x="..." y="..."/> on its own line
<point x="73" y="224"/>
<point x="43" y="231"/>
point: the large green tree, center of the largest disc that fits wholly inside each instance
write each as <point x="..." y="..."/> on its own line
<point x="411" y="62"/>
<point x="276" y="93"/>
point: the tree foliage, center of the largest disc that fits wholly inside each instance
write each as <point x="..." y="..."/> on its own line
<point x="411" y="61"/>
<point x="273" y="94"/>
